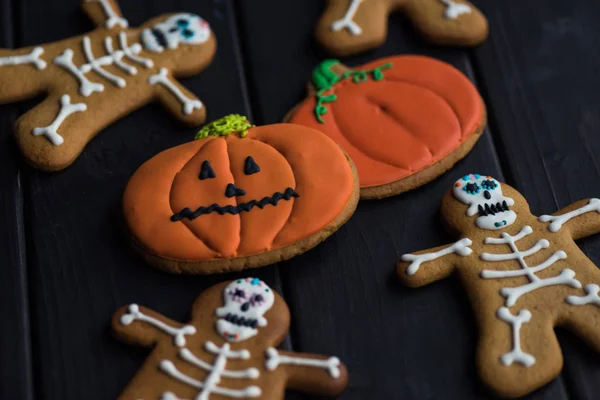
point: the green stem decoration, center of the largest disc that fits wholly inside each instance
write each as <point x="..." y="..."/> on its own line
<point x="324" y="79"/>
<point x="233" y="123"/>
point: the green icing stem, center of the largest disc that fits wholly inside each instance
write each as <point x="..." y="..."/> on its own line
<point x="324" y="80"/>
<point x="233" y="123"/>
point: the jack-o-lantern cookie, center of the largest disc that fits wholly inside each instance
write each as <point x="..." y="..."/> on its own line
<point x="524" y="275"/>
<point x="93" y="80"/>
<point x="403" y="120"/>
<point x="351" y="26"/>
<point x="239" y="197"/>
<point x="227" y="350"/>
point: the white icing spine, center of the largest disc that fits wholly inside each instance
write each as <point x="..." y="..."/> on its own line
<point x="66" y="109"/>
<point x="461" y="248"/>
<point x="189" y="105"/>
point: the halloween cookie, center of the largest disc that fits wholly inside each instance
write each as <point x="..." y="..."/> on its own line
<point x="95" y="79"/>
<point x="227" y="350"/>
<point x="239" y="197"/>
<point x="351" y="26"/>
<point x="403" y="120"/>
<point x="524" y="275"/>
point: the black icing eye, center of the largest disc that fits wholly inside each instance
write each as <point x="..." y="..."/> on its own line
<point x="471" y="188"/>
<point x="206" y="171"/>
<point x="239" y="293"/>
<point x="188" y="33"/>
<point x="250" y="166"/>
<point x="489" y="184"/>
<point x="183" y="22"/>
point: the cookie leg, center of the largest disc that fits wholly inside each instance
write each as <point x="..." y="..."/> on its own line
<point x="583" y="315"/>
<point x="53" y="134"/>
<point x="448" y="22"/>
<point x="20" y="73"/>
<point x="518" y="351"/>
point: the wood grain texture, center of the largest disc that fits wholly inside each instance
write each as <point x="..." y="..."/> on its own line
<point x="539" y="70"/>
<point x="15" y="345"/>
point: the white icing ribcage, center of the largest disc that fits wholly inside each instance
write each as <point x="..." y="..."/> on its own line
<point x="87" y="87"/>
<point x="566" y="276"/>
<point x="215" y="371"/>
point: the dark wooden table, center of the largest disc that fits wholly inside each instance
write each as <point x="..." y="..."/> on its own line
<point x="65" y="266"/>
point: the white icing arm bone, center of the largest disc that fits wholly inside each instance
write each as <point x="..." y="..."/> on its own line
<point x="274" y="360"/>
<point x="66" y="109"/>
<point x="516" y="355"/>
<point x="454" y="9"/>
<point x="31" y="58"/>
<point x="178" y="334"/>
<point x="557" y="221"/>
<point x="112" y="18"/>
<point x="189" y="104"/>
<point x="591" y="296"/>
<point x="347" y="21"/>
<point x="461" y="248"/>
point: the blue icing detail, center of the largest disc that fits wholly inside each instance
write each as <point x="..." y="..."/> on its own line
<point x="477" y="176"/>
<point x="255" y="281"/>
<point x="240" y="281"/>
<point x="183" y="23"/>
<point x="465" y="178"/>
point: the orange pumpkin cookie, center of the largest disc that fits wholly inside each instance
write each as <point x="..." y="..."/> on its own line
<point x="351" y="26"/>
<point x="239" y="197"/>
<point x="403" y="120"/>
<point x="523" y="274"/>
<point x="94" y="79"/>
<point x="226" y="351"/>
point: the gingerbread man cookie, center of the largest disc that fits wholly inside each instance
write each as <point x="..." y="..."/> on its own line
<point x="524" y="275"/>
<point x="350" y="26"/>
<point x="94" y="79"/>
<point x="227" y="350"/>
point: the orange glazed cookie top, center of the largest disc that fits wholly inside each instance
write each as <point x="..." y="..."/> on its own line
<point x="394" y="116"/>
<point x="239" y="193"/>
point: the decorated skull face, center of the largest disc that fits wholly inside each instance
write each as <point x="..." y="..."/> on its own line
<point x="246" y="301"/>
<point x="484" y="196"/>
<point x="179" y="29"/>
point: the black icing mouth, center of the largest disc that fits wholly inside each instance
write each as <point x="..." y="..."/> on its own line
<point x="235" y="210"/>
<point x="492" y="209"/>
<point x="241" y="321"/>
<point x="160" y="37"/>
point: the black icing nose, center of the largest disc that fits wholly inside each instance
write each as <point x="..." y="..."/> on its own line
<point x="232" y="191"/>
<point x="245" y="306"/>
<point x="487" y="195"/>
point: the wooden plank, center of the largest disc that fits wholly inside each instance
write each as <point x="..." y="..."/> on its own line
<point x="539" y="68"/>
<point x="81" y="266"/>
<point x="345" y="298"/>
<point x="15" y="344"/>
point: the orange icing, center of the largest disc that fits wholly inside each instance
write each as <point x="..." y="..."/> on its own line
<point x="420" y="112"/>
<point x="288" y="156"/>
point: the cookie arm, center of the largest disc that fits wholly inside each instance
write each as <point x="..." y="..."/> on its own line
<point x="581" y="219"/>
<point x="144" y="327"/>
<point x="309" y="373"/>
<point x="105" y="13"/>
<point x="178" y="100"/>
<point x="427" y="266"/>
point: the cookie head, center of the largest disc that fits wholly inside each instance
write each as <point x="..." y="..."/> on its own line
<point x="484" y="197"/>
<point x="245" y="303"/>
<point x="175" y="31"/>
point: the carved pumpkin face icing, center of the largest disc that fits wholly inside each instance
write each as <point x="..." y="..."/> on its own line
<point x="403" y="120"/>
<point x="239" y="197"/>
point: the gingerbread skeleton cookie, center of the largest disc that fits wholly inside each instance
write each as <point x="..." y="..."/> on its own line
<point x="227" y="350"/>
<point x="524" y="275"/>
<point x="351" y="26"/>
<point x="403" y="120"/>
<point x="94" y="79"/>
<point x="239" y="197"/>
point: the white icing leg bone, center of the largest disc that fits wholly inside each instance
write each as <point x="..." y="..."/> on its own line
<point x="454" y="9"/>
<point x="86" y="87"/>
<point x="556" y="222"/>
<point x="113" y="19"/>
<point x="31" y="58"/>
<point x="66" y="109"/>
<point x="347" y="21"/>
<point x="189" y="105"/>
<point x="461" y="248"/>
<point x="590" y="298"/>
<point x="516" y="354"/>
<point x="274" y="359"/>
<point x="178" y="333"/>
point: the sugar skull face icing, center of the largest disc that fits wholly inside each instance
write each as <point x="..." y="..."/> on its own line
<point x="179" y="29"/>
<point x="246" y="302"/>
<point x="483" y="195"/>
